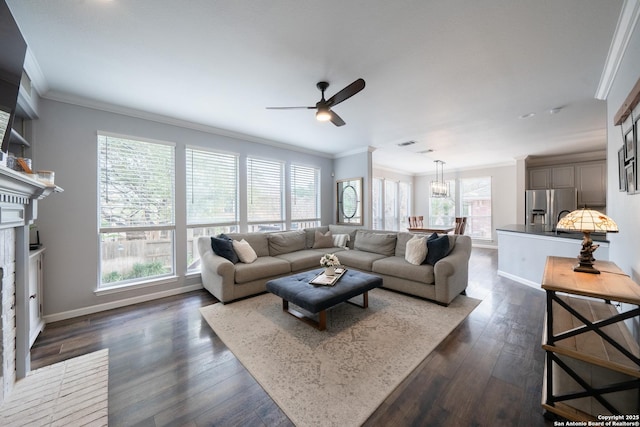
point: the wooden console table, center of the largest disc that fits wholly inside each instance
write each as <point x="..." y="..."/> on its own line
<point x="592" y="361"/>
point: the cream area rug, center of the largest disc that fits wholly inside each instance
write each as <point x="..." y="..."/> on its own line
<point x="341" y="375"/>
<point x="70" y="393"/>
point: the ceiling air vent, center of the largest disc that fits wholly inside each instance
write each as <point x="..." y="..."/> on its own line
<point x="405" y="144"/>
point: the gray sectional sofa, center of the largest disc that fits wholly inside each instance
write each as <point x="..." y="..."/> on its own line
<point x="379" y="252"/>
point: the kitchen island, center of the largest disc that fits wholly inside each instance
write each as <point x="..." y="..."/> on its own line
<point x="523" y="250"/>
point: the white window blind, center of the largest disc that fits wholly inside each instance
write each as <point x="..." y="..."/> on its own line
<point x="390" y="205"/>
<point x="377" y="203"/>
<point x="305" y="192"/>
<point x="264" y="190"/>
<point x="136" y="210"/>
<point x="137" y="181"/>
<point x="212" y="187"/>
<point x="404" y="204"/>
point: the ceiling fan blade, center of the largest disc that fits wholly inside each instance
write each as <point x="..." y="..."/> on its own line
<point x="336" y="119"/>
<point x="346" y="93"/>
<point x="290" y="108"/>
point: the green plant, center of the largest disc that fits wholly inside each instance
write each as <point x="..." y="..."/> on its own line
<point x="137" y="271"/>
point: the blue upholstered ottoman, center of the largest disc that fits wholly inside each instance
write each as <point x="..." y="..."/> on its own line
<point x="297" y="290"/>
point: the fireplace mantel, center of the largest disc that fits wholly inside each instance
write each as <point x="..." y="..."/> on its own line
<point x="17" y="191"/>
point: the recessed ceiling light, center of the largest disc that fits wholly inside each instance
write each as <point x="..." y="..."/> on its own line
<point x="527" y="116"/>
<point x="404" y="144"/>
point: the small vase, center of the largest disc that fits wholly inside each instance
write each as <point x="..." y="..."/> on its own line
<point x="329" y="271"/>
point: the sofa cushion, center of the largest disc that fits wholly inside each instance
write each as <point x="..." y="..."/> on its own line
<point x="323" y="240"/>
<point x="452" y="242"/>
<point x="437" y="248"/>
<point x="224" y="248"/>
<point x="379" y="243"/>
<point x="359" y="259"/>
<point x="263" y="267"/>
<point x="397" y="267"/>
<point x="416" y="251"/>
<point x="401" y="242"/>
<point x="258" y="241"/>
<point x="245" y="252"/>
<point x="286" y="241"/>
<point x="303" y="260"/>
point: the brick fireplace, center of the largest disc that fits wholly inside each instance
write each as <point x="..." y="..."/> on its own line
<point x="19" y="195"/>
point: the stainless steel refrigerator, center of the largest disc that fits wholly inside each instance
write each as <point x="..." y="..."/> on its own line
<point x="543" y="207"/>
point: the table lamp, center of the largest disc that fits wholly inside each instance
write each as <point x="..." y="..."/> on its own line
<point x="587" y="221"/>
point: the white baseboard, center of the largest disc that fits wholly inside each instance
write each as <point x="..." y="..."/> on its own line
<point x="520" y="280"/>
<point x="120" y="303"/>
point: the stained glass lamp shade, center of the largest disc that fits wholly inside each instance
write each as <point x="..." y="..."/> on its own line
<point x="587" y="221"/>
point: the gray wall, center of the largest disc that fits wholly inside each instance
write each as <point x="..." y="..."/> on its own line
<point x="356" y="165"/>
<point x="64" y="140"/>
<point x="623" y="208"/>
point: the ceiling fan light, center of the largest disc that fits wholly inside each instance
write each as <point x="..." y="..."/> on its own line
<point x="323" y="115"/>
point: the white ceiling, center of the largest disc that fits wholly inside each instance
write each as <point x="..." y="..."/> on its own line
<point x="452" y="75"/>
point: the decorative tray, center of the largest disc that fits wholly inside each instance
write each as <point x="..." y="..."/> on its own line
<point x="324" y="280"/>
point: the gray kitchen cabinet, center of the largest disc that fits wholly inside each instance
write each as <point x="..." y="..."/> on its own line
<point x="591" y="179"/>
<point x="552" y="177"/>
<point x="539" y="178"/>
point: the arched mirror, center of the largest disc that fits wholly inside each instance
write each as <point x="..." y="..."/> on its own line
<point x="349" y="194"/>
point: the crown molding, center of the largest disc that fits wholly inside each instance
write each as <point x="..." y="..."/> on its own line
<point x="626" y="24"/>
<point x="558" y="159"/>
<point x="366" y="149"/>
<point x="159" y="118"/>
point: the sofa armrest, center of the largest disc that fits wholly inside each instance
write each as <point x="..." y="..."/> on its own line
<point x="218" y="273"/>
<point x="451" y="273"/>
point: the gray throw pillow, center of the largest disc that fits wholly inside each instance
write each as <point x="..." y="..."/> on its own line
<point x="323" y="240"/>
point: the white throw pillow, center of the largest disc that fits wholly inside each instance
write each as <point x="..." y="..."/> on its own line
<point x="415" y="251"/>
<point x="244" y="251"/>
<point x="341" y="240"/>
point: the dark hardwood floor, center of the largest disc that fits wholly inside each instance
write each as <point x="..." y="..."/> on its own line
<point x="167" y="367"/>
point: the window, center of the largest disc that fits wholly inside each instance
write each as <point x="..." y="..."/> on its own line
<point x="305" y="197"/>
<point x="378" y="216"/>
<point x="265" y="189"/>
<point x="404" y="204"/>
<point x="442" y="210"/>
<point x="476" y="206"/>
<point x="136" y="209"/>
<point x="212" y="198"/>
<point x="391" y="204"/>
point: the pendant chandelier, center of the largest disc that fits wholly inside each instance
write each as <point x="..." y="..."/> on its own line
<point x="439" y="188"/>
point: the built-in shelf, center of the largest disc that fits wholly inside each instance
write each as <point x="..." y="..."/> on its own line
<point x="18" y="139"/>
